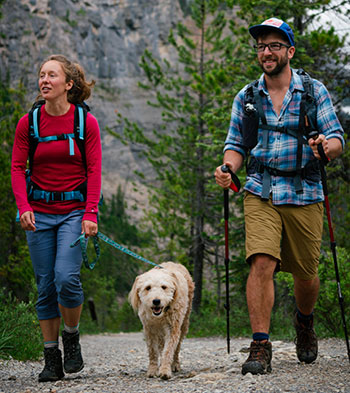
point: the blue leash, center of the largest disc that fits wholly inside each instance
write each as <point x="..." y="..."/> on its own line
<point x="83" y="245"/>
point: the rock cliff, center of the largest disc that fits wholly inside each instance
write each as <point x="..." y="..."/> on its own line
<point x="107" y="37"/>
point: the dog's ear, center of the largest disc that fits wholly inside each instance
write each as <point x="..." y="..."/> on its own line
<point x="134" y="298"/>
<point x="176" y="286"/>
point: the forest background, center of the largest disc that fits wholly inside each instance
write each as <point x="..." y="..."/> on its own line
<point x="172" y="209"/>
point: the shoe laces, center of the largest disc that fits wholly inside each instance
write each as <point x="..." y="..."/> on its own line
<point x="72" y="345"/>
<point x="258" y="352"/>
<point x="51" y="359"/>
<point x="305" y="335"/>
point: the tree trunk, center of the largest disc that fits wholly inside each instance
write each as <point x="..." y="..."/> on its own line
<point x="198" y="244"/>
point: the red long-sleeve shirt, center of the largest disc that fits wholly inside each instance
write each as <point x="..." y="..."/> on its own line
<point x="54" y="169"/>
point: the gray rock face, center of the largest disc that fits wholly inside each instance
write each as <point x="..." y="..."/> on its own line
<point x="107" y="37"/>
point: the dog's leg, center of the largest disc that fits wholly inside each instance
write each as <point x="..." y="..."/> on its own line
<point x="171" y="343"/>
<point x="175" y="367"/>
<point x="153" y="354"/>
<point x="184" y="330"/>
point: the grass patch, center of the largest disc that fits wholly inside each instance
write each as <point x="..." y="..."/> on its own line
<point x="20" y="334"/>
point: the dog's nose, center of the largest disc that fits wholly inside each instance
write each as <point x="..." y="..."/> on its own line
<point x="156" y="302"/>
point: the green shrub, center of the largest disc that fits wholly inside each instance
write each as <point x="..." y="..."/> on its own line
<point x="327" y="308"/>
<point x="328" y="322"/>
<point x="127" y="320"/>
<point x="20" y="334"/>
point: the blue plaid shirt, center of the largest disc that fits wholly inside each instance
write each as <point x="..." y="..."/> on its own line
<point x="282" y="148"/>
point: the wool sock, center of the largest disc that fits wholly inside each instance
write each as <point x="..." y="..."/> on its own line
<point x="71" y="329"/>
<point x="50" y="344"/>
<point x="260" y="336"/>
<point x="305" y="319"/>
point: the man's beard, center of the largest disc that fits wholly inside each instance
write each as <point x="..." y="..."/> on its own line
<point x="279" y="66"/>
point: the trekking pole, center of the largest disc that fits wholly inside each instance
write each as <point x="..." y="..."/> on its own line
<point x="235" y="186"/>
<point x="323" y="162"/>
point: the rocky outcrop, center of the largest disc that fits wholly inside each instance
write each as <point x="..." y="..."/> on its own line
<point x="107" y="37"/>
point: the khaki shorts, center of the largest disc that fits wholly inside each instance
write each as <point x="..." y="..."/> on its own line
<point x="291" y="234"/>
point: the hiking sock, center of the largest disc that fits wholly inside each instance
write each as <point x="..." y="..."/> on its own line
<point x="259" y="336"/>
<point x="51" y="344"/>
<point x="306" y="320"/>
<point x="71" y="329"/>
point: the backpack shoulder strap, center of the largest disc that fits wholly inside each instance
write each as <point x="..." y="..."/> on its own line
<point x="253" y="91"/>
<point x="34" y="129"/>
<point x="249" y="92"/>
<point x="80" y="114"/>
<point x="308" y="103"/>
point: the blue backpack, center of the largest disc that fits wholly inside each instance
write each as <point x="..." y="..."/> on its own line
<point x="78" y="133"/>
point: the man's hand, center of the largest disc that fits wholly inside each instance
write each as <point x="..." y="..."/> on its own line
<point x="320" y="139"/>
<point x="223" y="179"/>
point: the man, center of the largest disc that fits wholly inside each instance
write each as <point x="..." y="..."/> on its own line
<point x="283" y="193"/>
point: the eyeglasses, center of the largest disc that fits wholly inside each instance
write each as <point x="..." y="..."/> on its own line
<point x="273" y="46"/>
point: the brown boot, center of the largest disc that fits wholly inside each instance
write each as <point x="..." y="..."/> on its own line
<point x="259" y="360"/>
<point x="306" y="341"/>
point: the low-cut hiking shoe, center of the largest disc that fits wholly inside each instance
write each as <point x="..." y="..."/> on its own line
<point x="259" y="360"/>
<point x="53" y="370"/>
<point x="73" y="361"/>
<point x="306" y="341"/>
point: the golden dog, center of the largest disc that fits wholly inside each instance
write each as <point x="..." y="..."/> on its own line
<point x="162" y="297"/>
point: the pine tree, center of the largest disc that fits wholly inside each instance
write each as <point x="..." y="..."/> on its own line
<point x="195" y="101"/>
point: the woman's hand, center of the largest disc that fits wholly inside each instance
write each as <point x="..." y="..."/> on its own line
<point x="89" y="227"/>
<point x="27" y="221"/>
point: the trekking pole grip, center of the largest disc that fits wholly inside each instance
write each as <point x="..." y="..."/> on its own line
<point x="235" y="183"/>
<point x="324" y="159"/>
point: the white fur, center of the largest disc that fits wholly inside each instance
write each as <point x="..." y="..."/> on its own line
<point x="163" y="299"/>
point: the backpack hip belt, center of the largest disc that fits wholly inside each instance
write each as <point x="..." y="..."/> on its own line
<point x="309" y="172"/>
<point x="35" y="193"/>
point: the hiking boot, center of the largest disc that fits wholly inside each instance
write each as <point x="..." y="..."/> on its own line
<point x="259" y="360"/>
<point x="73" y="361"/>
<point x="306" y="341"/>
<point x="53" y="370"/>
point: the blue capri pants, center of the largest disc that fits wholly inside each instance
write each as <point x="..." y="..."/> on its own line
<point x="56" y="265"/>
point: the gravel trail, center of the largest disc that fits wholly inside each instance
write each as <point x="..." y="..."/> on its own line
<point x="116" y="363"/>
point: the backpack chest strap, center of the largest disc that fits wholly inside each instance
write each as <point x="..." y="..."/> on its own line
<point x="60" y="137"/>
<point x="284" y="130"/>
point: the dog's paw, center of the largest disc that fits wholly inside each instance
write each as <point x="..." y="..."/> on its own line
<point x="165" y="373"/>
<point x="175" y="367"/>
<point x="152" y="371"/>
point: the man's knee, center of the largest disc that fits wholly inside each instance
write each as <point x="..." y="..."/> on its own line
<point x="308" y="283"/>
<point x="263" y="264"/>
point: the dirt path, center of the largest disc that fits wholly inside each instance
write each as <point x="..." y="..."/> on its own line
<point x="117" y="363"/>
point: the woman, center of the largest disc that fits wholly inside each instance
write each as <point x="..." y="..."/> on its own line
<point x="51" y="219"/>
